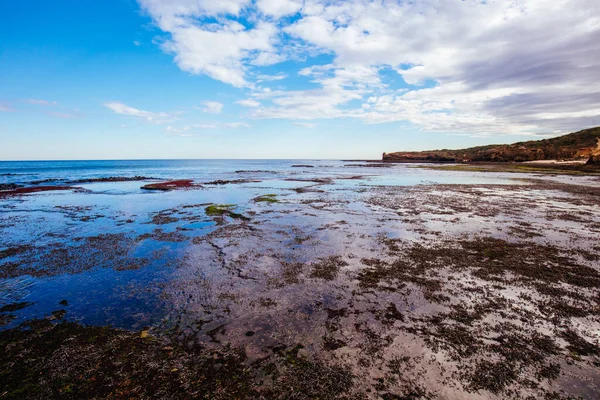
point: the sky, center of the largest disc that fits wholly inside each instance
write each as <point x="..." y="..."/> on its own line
<point x="328" y="79"/>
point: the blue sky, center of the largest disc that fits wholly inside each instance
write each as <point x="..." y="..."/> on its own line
<point x="289" y="78"/>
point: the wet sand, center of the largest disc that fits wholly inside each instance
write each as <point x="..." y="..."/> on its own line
<point x="307" y="286"/>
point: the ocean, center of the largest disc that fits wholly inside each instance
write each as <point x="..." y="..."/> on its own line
<point x="25" y="172"/>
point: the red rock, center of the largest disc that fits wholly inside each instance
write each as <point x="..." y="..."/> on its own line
<point x="172" y="185"/>
<point x="33" y="189"/>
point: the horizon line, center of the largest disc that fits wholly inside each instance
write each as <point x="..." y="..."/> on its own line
<point x="192" y="159"/>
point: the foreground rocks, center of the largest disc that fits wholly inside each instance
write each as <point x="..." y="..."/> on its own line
<point x="172" y="185"/>
<point x="42" y="360"/>
<point x="17" y="191"/>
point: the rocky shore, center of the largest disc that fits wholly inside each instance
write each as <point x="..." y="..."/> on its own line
<point x="325" y="287"/>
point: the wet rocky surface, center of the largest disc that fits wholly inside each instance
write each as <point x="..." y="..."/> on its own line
<point x="11" y="190"/>
<point x="304" y="286"/>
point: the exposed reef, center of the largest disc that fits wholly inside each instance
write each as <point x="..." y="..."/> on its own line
<point x="172" y="185"/>
<point x="230" y="181"/>
<point x="34" y="189"/>
<point x="115" y="179"/>
<point x="111" y="363"/>
<point x="9" y="186"/>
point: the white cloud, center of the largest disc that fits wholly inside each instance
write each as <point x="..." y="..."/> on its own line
<point x="306" y="104"/>
<point x="137" y="43"/>
<point x="279" y="8"/>
<point x="211" y="107"/>
<point x="194" y="8"/>
<point x="123" y="109"/>
<point x="513" y="66"/>
<point x="277" y="77"/>
<point x="249" y="103"/>
<point x="178" y="132"/>
<point x="217" y="49"/>
<point x="266" y="58"/>
<point x="202" y="126"/>
<point x="495" y="68"/>
<point x="236" y="125"/>
<point x="339" y="87"/>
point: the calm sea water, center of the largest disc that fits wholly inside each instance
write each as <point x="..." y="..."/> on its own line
<point x="25" y="172"/>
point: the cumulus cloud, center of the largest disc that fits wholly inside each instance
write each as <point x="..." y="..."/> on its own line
<point x="211" y="107"/>
<point x="123" y="109"/>
<point x="218" y="48"/>
<point x="194" y="8"/>
<point x="248" y="103"/>
<point x="514" y="66"/>
<point x="279" y="8"/>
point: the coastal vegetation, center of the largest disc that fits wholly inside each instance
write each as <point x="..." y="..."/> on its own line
<point x="578" y="146"/>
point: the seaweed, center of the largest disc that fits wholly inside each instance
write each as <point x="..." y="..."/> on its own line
<point x="266" y="198"/>
<point x="224" y="210"/>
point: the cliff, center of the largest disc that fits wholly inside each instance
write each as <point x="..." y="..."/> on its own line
<point x="582" y="145"/>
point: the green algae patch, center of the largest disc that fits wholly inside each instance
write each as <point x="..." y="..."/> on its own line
<point x="224" y="210"/>
<point x="266" y="198"/>
<point x="218" y="209"/>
